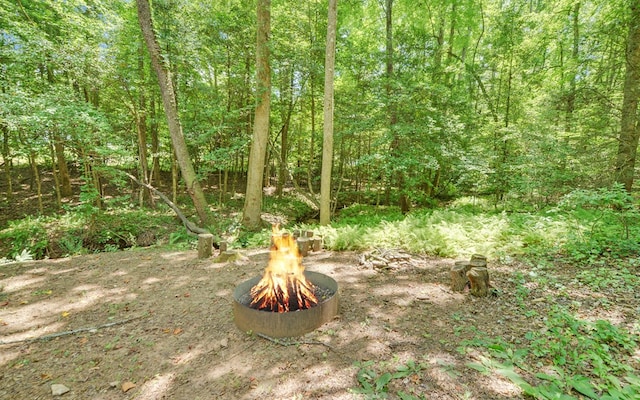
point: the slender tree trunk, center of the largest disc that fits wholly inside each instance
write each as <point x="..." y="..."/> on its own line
<point x="56" y="180"/>
<point x="629" y="131"/>
<point x="169" y="101"/>
<point x="65" y="180"/>
<point x="155" y="143"/>
<point x="6" y="159"/>
<point x="571" y="96"/>
<point x="36" y="177"/>
<point x="327" y="141"/>
<point x="253" y="199"/>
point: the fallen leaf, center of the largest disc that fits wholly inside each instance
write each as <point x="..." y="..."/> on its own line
<point x="65" y="314"/>
<point x="127" y="386"/>
<point x="24" y="302"/>
<point x="177" y="331"/>
<point x="45" y="377"/>
<point x="166" y="330"/>
<point x="187" y="295"/>
<point x="6" y="303"/>
<point x="83" y="340"/>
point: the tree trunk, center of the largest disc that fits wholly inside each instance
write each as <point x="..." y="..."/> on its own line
<point x="56" y="180"/>
<point x="141" y="125"/>
<point x="327" y="142"/>
<point x="6" y="159"/>
<point x="155" y="143"/>
<point x="65" y="180"/>
<point x="284" y="134"/>
<point x="170" y="104"/>
<point x="629" y="132"/>
<point x="253" y="199"/>
<point x="396" y="144"/>
<point x="38" y="181"/>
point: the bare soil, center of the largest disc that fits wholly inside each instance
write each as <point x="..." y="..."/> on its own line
<point x="177" y="339"/>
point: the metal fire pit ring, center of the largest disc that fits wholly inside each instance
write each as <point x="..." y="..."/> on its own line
<point x="286" y="324"/>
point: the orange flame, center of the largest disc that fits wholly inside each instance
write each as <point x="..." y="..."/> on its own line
<point x="283" y="286"/>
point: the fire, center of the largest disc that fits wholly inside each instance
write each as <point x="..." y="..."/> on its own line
<point x="283" y="286"/>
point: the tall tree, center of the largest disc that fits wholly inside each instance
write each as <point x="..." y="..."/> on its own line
<point x="257" y="155"/>
<point x="171" y="110"/>
<point x="629" y="131"/>
<point x="327" y="142"/>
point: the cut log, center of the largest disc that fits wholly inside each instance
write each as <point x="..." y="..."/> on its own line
<point x="205" y="245"/>
<point x="479" y="279"/>
<point x="317" y="244"/>
<point x="223" y="246"/>
<point x="459" y="275"/>
<point x="303" y="246"/>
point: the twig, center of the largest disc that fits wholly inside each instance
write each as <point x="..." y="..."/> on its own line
<point x="72" y="332"/>
<point x="294" y="342"/>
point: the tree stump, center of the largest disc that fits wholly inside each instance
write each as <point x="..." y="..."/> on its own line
<point x="479" y="278"/>
<point x="303" y="246"/>
<point x="459" y="275"/>
<point x="478" y="260"/>
<point x="317" y="244"/>
<point x="229" y="256"/>
<point x="223" y="246"/>
<point x="205" y="245"/>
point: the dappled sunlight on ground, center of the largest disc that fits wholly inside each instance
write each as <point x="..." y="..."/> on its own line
<point x="163" y="321"/>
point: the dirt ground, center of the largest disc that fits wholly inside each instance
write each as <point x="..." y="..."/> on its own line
<point x="163" y="321"/>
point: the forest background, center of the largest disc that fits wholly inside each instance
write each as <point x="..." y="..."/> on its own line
<point x="506" y="106"/>
<point x="508" y="128"/>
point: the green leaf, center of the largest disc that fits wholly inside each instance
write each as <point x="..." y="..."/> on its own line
<point x="382" y="382"/>
<point x="478" y="367"/>
<point x="583" y="386"/>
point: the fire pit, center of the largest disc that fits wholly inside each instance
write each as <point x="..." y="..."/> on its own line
<point x="286" y="301"/>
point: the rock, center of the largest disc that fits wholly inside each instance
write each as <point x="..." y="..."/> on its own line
<point x="224" y="342"/>
<point x="114" y="384"/>
<point x="58" y="389"/>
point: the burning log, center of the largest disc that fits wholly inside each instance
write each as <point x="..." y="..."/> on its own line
<point x="283" y="286"/>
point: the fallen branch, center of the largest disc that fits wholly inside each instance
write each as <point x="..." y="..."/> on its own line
<point x="191" y="228"/>
<point x="286" y="343"/>
<point x="66" y="333"/>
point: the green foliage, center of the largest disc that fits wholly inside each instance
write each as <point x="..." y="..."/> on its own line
<point x="374" y="380"/>
<point x="450" y="232"/>
<point x="586" y="358"/>
<point x="578" y="347"/>
<point x="608" y="279"/>
<point x="28" y="234"/>
<point x="606" y="227"/>
<point x="118" y="229"/>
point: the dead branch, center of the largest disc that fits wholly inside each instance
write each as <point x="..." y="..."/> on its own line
<point x="286" y="343"/>
<point x="191" y="228"/>
<point x="71" y="332"/>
